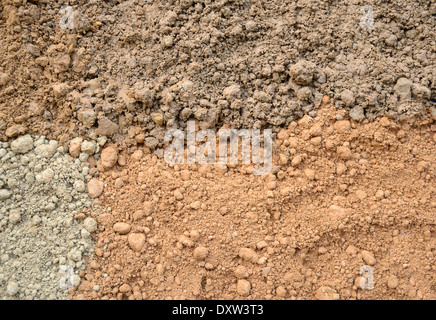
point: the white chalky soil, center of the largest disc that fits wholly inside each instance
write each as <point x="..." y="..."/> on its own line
<point x="42" y="247"/>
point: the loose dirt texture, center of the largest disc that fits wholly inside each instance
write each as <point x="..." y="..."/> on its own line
<point x="353" y="183"/>
<point x="342" y="195"/>
<point x="129" y="68"/>
<point x="41" y="244"/>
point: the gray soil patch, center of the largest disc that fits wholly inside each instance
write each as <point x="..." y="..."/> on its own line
<point x="42" y="246"/>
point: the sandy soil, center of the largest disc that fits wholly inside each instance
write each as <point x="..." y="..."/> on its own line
<point x="343" y="195"/>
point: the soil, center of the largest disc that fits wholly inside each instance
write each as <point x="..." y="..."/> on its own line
<point x="348" y="89"/>
<point x="248" y="63"/>
<point x="211" y="232"/>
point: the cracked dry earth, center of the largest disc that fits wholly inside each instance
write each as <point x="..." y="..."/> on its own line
<point x="342" y="195"/>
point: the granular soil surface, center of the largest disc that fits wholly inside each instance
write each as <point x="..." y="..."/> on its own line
<point x="343" y="195"/>
<point x="348" y="89"/>
<point x="128" y="69"/>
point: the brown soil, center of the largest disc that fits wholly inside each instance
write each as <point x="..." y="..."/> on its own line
<point x="126" y="61"/>
<point x="343" y="195"/>
<point x="353" y="185"/>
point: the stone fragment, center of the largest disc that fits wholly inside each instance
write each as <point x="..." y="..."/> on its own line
<point x="95" y="188"/>
<point x="4" y="79"/>
<point x="75" y="147"/>
<point x="200" y="253"/>
<point x="392" y="282"/>
<point x="88" y="147"/>
<point x="243" y="287"/>
<point x="90" y="224"/>
<point x="347" y="97"/>
<point x="87" y="117"/>
<point x="4" y="194"/>
<point x="357" y="113"/>
<point x="122" y="228"/>
<point x="22" y="145"/>
<point x="403" y="89"/>
<point x="248" y="254"/>
<point x="158" y="118"/>
<point x="136" y="241"/>
<point x="241" y="272"/>
<point x="106" y="127"/>
<point x="109" y="157"/>
<point x="344" y="153"/>
<point x="15" y="131"/>
<point x="368" y="257"/>
<point x="421" y="92"/>
<point x="302" y="72"/>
